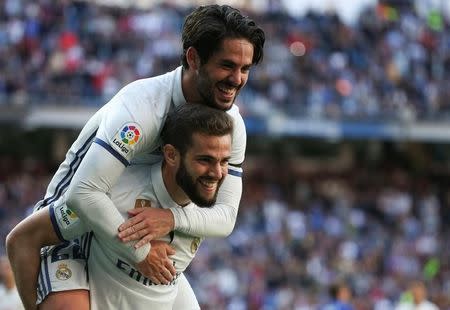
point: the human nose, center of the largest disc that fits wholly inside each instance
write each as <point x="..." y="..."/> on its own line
<point x="216" y="171"/>
<point x="236" y="77"/>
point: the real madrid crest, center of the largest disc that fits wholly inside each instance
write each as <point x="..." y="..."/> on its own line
<point x="63" y="272"/>
<point x="195" y="244"/>
<point x="142" y="203"/>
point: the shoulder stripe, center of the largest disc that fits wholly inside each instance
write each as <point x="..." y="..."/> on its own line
<point x="51" y="210"/>
<point x="235" y="165"/>
<point x="112" y="151"/>
<point x="235" y="173"/>
<point x="73" y="166"/>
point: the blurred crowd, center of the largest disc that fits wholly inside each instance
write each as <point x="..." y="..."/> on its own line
<point x="299" y="232"/>
<point x="393" y="62"/>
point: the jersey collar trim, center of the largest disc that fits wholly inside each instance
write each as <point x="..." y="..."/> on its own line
<point x="177" y="93"/>
<point x="160" y="189"/>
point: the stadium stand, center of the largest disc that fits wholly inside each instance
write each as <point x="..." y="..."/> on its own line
<point x="372" y="214"/>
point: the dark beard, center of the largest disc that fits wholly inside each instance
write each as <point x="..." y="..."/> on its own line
<point x="204" y="88"/>
<point x="185" y="181"/>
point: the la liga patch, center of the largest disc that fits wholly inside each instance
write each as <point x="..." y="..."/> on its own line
<point x="127" y="138"/>
<point x="65" y="217"/>
<point x="130" y="134"/>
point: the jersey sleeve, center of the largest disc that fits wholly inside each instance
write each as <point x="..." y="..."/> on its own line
<point x="218" y="220"/>
<point x="86" y="196"/>
<point x="66" y="223"/>
<point x="239" y="141"/>
<point x="128" y="126"/>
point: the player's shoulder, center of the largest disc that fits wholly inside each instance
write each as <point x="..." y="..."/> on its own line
<point x="147" y="99"/>
<point x="239" y="124"/>
<point x="160" y="85"/>
<point x="234" y="112"/>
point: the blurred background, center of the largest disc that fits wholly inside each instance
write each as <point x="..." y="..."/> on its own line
<point x="346" y="178"/>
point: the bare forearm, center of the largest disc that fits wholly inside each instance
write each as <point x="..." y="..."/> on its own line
<point x="26" y="271"/>
<point x="23" y="245"/>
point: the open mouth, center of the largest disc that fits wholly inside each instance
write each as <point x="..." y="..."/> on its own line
<point x="208" y="185"/>
<point x="227" y="92"/>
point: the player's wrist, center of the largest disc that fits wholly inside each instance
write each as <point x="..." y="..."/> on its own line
<point x="170" y="219"/>
<point x="177" y="217"/>
<point x="142" y="252"/>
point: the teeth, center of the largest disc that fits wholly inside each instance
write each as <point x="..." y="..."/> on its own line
<point x="208" y="184"/>
<point x="226" y="90"/>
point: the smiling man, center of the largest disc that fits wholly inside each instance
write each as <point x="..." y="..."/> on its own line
<point x="196" y="150"/>
<point x="220" y="45"/>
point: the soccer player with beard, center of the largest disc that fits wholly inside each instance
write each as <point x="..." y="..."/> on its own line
<point x="196" y="150"/>
<point x="220" y="45"/>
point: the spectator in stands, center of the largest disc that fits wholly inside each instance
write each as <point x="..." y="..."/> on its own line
<point x="9" y="296"/>
<point x="416" y="298"/>
<point x="341" y="296"/>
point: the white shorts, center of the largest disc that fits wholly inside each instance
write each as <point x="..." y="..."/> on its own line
<point x="64" y="267"/>
<point x="185" y="299"/>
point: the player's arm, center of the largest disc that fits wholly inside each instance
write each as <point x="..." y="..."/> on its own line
<point x="217" y="221"/>
<point x="87" y="197"/>
<point x="23" y="245"/>
<point x="146" y="224"/>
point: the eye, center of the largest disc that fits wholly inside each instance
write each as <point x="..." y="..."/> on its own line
<point x="228" y="66"/>
<point x="204" y="160"/>
<point x="245" y="69"/>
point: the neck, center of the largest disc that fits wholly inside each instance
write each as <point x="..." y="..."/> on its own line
<point x="188" y="86"/>
<point x="175" y="192"/>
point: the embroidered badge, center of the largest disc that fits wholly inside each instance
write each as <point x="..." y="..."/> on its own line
<point x="63" y="273"/>
<point x="142" y="203"/>
<point x="195" y="244"/>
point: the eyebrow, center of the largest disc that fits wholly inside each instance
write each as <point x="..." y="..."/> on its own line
<point x="231" y="62"/>
<point x="212" y="157"/>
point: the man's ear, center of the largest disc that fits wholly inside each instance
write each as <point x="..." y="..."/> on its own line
<point x="171" y="155"/>
<point x="193" y="58"/>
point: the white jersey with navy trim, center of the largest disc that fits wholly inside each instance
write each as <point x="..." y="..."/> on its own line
<point x="114" y="281"/>
<point x="129" y="126"/>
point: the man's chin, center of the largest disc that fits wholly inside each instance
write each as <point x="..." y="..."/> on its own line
<point x="224" y="106"/>
<point x="205" y="203"/>
<point x="221" y="105"/>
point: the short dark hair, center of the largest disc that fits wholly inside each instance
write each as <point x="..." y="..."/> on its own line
<point x="336" y="287"/>
<point x="207" y="26"/>
<point x="186" y="119"/>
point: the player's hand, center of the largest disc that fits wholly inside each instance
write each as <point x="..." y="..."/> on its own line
<point x="157" y="266"/>
<point x="146" y="224"/>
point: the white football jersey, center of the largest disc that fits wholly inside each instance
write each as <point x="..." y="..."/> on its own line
<point x="129" y="127"/>
<point x="114" y="281"/>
